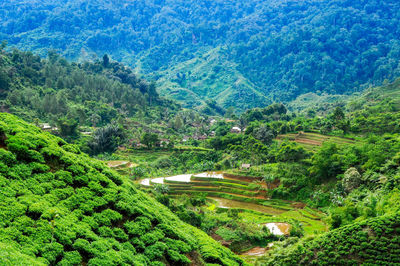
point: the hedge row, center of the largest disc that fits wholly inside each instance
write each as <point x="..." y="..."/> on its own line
<point x="58" y="206"/>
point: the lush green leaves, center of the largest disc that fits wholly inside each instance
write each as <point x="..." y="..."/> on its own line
<point x="59" y="206"/>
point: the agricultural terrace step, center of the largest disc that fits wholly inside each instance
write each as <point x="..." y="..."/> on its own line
<point x="317" y="215"/>
<point x="315" y="139"/>
<point x="211" y="184"/>
<point x="268" y="203"/>
<point x="219" y="194"/>
<point x="247" y="179"/>
<point x="222" y="189"/>
<point x="196" y="178"/>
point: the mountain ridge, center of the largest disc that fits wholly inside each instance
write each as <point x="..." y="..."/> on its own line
<point x="283" y="48"/>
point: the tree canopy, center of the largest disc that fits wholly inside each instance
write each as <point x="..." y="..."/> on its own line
<point x="239" y="53"/>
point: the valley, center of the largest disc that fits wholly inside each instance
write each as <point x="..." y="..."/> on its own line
<point x="199" y="133"/>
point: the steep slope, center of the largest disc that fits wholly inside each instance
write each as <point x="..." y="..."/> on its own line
<point x="374" y="242"/>
<point x="59" y="206"/>
<point x="92" y="94"/>
<point x="210" y="76"/>
<point x="283" y="48"/>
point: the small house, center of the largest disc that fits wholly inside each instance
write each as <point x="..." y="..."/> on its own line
<point x="46" y="126"/>
<point x="245" y="166"/>
<point x="202" y="137"/>
<point x="236" y="130"/>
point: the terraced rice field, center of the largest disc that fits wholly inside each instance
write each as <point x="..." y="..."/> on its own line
<point x="228" y="191"/>
<point x="312" y="141"/>
<point x="122" y="167"/>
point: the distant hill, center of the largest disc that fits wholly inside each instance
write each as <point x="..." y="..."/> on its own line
<point x="239" y="53"/>
<point x="60" y="207"/>
<point x="93" y="94"/>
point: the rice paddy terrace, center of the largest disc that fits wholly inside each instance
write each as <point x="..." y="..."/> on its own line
<point x="312" y="141"/>
<point x="121" y="167"/>
<point x="243" y="193"/>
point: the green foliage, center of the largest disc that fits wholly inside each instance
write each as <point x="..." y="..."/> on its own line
<point x="59" y="206"/>
<point x="149" y="139"/>
<point x="316" y="46"/>
<point x="106" y="139"/>
<point x="327" y="163"/>
<point x="70" y="95"/>
<point x="374" y="241"/>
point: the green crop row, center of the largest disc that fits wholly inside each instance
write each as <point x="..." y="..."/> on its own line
<point x="196" y="178"/>
<point x="211" y="184"/>
<point x="222" y="189"/>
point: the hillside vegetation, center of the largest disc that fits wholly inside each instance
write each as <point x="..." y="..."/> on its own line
<point x="60" y="207"/>
<point x="251" y="49"/>
<point x="266" y="132"/>
<point x="91" y="94"/>
<point x="374" y="242"/>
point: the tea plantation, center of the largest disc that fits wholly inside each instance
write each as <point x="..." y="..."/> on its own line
<point x="370" y="242"/>
<point x="60" y="207"/>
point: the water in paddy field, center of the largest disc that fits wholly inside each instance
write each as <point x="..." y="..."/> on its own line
<point x="181" y="178"/>
<point x="159" y="180"/>
<point x="145" y="182"/>
<point x="278" y="229"/>
<point x="257" y="251"/>
<point x="217" y="175"/>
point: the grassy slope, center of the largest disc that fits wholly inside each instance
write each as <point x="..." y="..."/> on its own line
<point x="312" y="141"/>
<point x="325" y="103"/>
<point x="210" y="75"/>
<point x="58" y="205"/>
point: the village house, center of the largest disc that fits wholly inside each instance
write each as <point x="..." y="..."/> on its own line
<point x="245" y="166"/>
<point x="164" y="143"/>
<point x="236" y="130"/>
<point x="201" y="137"/>
<point x="47" y="127"/>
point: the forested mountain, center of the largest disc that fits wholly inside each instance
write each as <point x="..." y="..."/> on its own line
<point x="91" y="94"/>
<point x="255" y="51"/>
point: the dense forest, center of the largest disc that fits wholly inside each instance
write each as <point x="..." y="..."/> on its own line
<point x="91" y="93"/>
<point x="242" y="54"/>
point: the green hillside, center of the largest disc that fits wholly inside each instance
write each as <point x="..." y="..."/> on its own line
<point x="371" y="242"/>
<point x="91" y="94"/>
<point x="211" y="75"/>
<point x="209" y="132"/>
<point x="60" y="207"/>
<point x="275" y="49"/>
